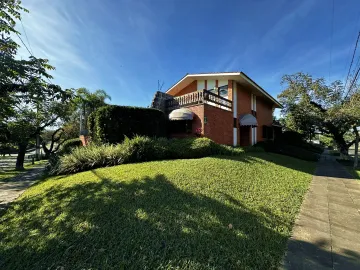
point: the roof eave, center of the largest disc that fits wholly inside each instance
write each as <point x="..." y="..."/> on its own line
<point x="247" y="78"/>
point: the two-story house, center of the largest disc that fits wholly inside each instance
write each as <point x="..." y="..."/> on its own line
<point x="229" y="108"/>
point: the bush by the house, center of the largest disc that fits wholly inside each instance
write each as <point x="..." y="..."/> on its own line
<point x="291" y="138"/>
<point x="111" y="124"/>
<point x="313" y="147"/>
<point x="69" y="145"/>
<point x="139" y="149"/>
<point x="290" y="150"/>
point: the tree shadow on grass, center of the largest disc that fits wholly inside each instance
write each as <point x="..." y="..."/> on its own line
<point x="147" y="223"/>
<point x="278" y="159"/>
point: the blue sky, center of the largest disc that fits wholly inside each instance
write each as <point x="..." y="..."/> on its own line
<point x="125" y="47"/>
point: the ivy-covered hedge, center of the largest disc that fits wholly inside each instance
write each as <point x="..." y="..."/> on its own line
<point x="111" y="124"/>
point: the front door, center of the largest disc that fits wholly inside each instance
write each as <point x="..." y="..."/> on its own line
<point x="244" y="136"/>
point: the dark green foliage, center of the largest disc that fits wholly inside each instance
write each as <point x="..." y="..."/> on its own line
<point x="69" y="145"/>
<point x="111" y="124"/>
<point x="192" y="148"/>
<point x="298" y="152"/>
<point x="291" y="150"/>
<point x="313" y="147"/>
<point x="291" y="137"/>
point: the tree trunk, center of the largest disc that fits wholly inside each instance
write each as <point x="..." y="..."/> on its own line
<point x="356" y="156"/>
<point x="342" y="147"/>
<point x="21" y="156"/>
<point x="46" y="150"/>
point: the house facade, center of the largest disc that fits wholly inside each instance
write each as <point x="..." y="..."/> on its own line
<point x="229" y="108"/>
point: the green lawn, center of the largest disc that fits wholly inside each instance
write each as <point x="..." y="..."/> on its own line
<point x="6" y="174"/>
<point x="209" y="213"/>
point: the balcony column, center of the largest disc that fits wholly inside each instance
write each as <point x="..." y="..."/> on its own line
<point x="232" y="95"/>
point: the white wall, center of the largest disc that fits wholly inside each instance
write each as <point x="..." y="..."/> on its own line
<point x="200" y="84"/>
<point x="235" y="131"/>
<point x="222" y="82"/>
<point x="210" y="84"/>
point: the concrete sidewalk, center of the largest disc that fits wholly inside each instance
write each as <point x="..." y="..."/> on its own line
<point x="14" y="187"/>
<point x="326" y="234"/>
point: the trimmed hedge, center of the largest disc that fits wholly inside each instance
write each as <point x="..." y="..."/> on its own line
<point x="69" y="145"/>
<point x="139" y="149"/>
<point x="291" y="138"/>
<point x="290" y="150"/>
<point x="111" y="124"/>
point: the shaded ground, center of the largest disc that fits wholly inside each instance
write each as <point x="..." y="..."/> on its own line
<point x="326" y="234"/>
<point x="209" y="213"/>
<point x="13" y="183"/>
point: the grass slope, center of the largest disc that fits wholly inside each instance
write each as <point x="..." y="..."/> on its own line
<point x="164" y="214"/>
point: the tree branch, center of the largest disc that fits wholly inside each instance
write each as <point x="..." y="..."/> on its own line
<point x="318" y="106"/>
<point x="351" y="143"/>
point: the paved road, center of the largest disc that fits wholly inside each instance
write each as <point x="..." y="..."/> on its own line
<point x="14" y="187"/>
<point x="8" y="162"/>
<point x="326" y="234"/>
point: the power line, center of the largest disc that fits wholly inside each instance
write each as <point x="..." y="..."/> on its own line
<point x="355" y="27"/>
<point x="352" y="59"/>
<point x="30" y="53"/>
<point x="26" y="35"/>
<point x="353" y="82"/>
<point x="331" y="38"/>
<point x="24" y="44"/>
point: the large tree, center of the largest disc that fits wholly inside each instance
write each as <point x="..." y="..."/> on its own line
<point x="28" y="103"/>
<point x="20" y="79"/>
<point x="352" y="108"/>
<point x="310" y="104"/>
<point x="31" y="119"/>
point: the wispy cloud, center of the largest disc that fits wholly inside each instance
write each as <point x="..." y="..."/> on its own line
<point x="271" y="39"/>
<point x="96" y="44"/>
<point x="53" y="34"/>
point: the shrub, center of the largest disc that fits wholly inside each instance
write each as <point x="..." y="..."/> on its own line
<point x="291" y="138"/>
<point x="191" y="148"/>
<point x="297" y="152"/>
<point x="111" y="124"/>
<point x="138" y="149"/>
<point x="69" y="145"/>
<point x="289" y="150"/>
<point x="313" y="147"/>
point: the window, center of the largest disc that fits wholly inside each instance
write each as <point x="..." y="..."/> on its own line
<point x="253" y="102"/>
<point x="200" y="85"/>
<point x="253" y="135"/>
<point x="210" y="85"/>
<point x="180" y="126"/>
<point x="223" y="91"/>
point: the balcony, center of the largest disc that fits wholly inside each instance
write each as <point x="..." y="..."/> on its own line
<point x="198" y="97"/>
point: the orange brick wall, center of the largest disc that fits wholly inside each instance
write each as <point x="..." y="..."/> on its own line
<point x="243" y="100"/>
<point x="263" y="115"/>
<point x="198" y="120"/>
<point x="192" y="87"/>
<point x="263" y="111"/>
<point x="243" y="107"/>
<point x="219" y="126"/>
